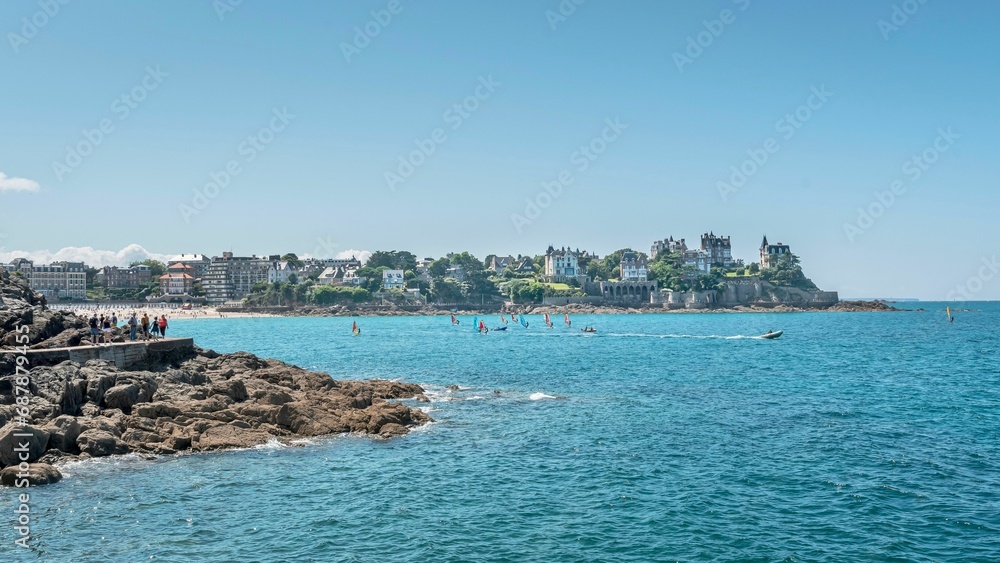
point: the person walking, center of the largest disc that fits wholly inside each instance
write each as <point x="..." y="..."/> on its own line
<point x="163" y="326"/>
<point x="133" y="327"/>
<point x="154" y="328"/>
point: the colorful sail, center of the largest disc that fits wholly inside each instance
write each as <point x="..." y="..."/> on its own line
<point x="567" y="321"/>
<point x="548" y="321"/>
<point x="949" y="314"/>
<point x="475" y="324"/>
<point x="524" y="323"/>
<point x="355" y="329"/>
<point x="482" y="327"/>
<point x="454" y="321"/>
<point x="503" y="319"/>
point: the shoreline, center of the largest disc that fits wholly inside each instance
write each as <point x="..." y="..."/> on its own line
<point x="163" y="397"/>
<point x="572" y="309"/>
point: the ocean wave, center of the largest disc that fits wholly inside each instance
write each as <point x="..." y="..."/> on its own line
<point x="68" y="467"/>
<point x="542" y="396"/>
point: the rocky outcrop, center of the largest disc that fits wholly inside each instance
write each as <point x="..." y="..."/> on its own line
<point x="20" y="306"/>
<point x="37" y="474"/>
<point x="183" y="399"/>
<point x="862" y="306"/>
<point x="206" y="402"/>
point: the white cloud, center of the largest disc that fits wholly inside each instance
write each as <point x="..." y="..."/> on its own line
<point x="362" y="255"/>
<point x="17" y="184"/>
<point x="87" y="255"/>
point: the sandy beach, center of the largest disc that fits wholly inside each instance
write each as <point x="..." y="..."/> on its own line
<point x="124" y="311"/>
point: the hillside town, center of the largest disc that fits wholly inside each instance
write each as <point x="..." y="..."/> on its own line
<point x="671" y="273"/>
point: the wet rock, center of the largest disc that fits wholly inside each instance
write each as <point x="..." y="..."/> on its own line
<point x="37" y="474"/>
<point x="18" y="442"/>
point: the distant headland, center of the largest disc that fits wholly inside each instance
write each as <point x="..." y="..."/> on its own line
<point x="671" y="276"/>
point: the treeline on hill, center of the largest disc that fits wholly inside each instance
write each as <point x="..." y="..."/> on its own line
<point x="464" y="278"/>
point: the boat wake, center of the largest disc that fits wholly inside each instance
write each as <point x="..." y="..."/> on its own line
<point x="696" y="336"/>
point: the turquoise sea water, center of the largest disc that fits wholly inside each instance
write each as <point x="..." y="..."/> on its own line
<point x="673" y="437"/>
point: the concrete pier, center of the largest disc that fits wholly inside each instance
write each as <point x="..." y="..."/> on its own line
<point x="123" y="354"/>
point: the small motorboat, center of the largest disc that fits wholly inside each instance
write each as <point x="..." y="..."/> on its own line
<point x="588" y="329"/>
<point x="771" y="335"/>
<point x="501" y="328"/>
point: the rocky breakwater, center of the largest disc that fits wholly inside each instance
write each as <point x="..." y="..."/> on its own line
<point x="194" y="400"/>
<point x="876" y="306"/>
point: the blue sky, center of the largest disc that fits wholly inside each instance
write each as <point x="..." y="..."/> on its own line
<point x="346" y="116"/>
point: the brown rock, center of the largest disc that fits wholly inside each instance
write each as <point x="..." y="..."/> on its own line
<point x="63" y="432"/>
<point x="100" y="443"/>
<point x="121" y="397"/>
<point x="229" y="436"/>
<point x="34" y="445"/>
<point x="38" y="474"/>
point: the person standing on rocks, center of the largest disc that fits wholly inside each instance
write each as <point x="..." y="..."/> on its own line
<point x="95" y="329"/>
<point x="163" y="326"/>
<point x="106" y="329"/>
<point x="145" y="326"/>
<point x="133" y="327"/>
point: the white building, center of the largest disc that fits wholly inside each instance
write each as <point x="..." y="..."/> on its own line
<point x="230" y="278"/>
<point x="668" y="246"/>
<point x="63" y="280"/>
<point x="771" y="253"/>
<point x="330" y="276"/>
<point x="392" y="279"/>
<point x="562" y="264"/>
<point x="280" y="272"/>
<point x="351" y="278"/>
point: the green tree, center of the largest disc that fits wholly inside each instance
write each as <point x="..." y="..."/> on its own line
<point x="382" y="258"/>
<point x="439" y="268"/>
<point x="156" y="268"/>
<point x="293" y="260"/>
<point x="786" y="271"/>
<point x="446" y="291"/>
